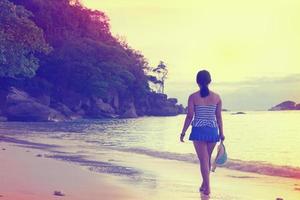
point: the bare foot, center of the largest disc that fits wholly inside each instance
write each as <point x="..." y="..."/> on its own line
<point x="202" y="187"/>
<point x="206" y="191"/>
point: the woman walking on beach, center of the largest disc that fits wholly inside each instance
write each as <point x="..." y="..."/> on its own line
<point x="204" y="113"/>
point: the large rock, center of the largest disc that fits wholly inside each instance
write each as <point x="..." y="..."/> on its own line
<point x="113" y="99"/>
<point x="160" y="105"/>
<point x="22" y="107"/>
<point x="103" y="107"/>
<point x="72" y="100"/>
<point x="63" y="109"/>
<point x="181" y="109"/>
<point x="172" y="100"/>
<point x="100" y="109"/>
<point x="43" y="99"/>
<point x="130" y="111"/>
<point x="297" y="107"/>
<point x="16" y="96"/>
<point x="286" y="105"/>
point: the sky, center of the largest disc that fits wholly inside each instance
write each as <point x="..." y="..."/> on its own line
<point x="251" y="48"/>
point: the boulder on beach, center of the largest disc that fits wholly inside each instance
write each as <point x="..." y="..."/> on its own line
<point x="130" y="112"/>
<point x="22" y="107"/>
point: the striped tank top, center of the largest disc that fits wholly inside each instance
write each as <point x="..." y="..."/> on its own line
<point x="205" y="116"/>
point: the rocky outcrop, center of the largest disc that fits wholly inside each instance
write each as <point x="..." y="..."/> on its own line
<point x="72" y="100"/>
<point x="160" y="105"/>
<point x="18" y="105"/>
<point x="130" y="112"/>
<point x="286" y="105"/>
<point x="66" y="110"/>
<point x="22" y="107"/>
<point x="100" y="109"/>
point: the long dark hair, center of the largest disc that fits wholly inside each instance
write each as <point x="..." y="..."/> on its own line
<point x="203" y="80"/>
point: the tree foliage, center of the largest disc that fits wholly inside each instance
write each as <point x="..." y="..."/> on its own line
<point x="161" y="73"/>
<point x="86" y="57"/>
<point x="20" y="41"/>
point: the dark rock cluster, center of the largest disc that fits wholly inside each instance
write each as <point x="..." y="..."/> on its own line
<point x="18" y="105"/>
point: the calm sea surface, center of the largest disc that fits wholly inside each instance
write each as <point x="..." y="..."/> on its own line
<point x="271" y="138"/>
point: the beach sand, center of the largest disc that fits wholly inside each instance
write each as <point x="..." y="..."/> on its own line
<point x="26" y="176"/>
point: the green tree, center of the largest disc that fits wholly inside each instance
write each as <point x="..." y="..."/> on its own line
<point x="161" y="75"/>
<point x="20" y="42"/>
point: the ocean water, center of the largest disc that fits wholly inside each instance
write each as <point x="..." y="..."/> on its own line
<point x="258" y="141"/>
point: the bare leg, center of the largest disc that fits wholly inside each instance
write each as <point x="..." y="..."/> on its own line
<point x="210" y="149"/>
<point x="203" y="156"/>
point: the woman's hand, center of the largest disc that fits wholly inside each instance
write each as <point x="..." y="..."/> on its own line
<point x="222" y="137"/>
<point x="181" y="137"/>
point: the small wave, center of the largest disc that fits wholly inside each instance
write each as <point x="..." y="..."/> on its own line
<point x="235" y="164"/>
<point x="99" y="166"/>
<point x="34" y="145"/>
<point x="132" y="174"/>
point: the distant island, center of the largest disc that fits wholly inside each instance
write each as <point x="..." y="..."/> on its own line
<point x="286" y="105"/>
<point x="59" y="61"/>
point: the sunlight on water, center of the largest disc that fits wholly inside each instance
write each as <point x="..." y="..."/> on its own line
<point x="268" y="137"/>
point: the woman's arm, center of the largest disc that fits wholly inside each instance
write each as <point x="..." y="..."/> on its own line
<point x="188" y="118"/>
<point x="219" y="119"/>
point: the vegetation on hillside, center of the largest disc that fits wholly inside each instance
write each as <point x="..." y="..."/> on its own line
<point x="65" y="51"/>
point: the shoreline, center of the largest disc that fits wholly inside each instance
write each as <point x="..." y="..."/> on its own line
<point x="26" y="173"/>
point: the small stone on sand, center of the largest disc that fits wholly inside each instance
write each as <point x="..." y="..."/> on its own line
<point x="58" y="193"/>
<point x="279" y="198"/>
<point x="39" y="155"/>
<point x="3" y="149"/>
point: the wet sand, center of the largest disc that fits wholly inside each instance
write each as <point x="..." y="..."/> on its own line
<point x="25" y="174"/>
<point x="29" y="174"/>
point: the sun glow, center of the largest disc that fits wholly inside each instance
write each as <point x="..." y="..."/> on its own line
<point x="235" y="40"/>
